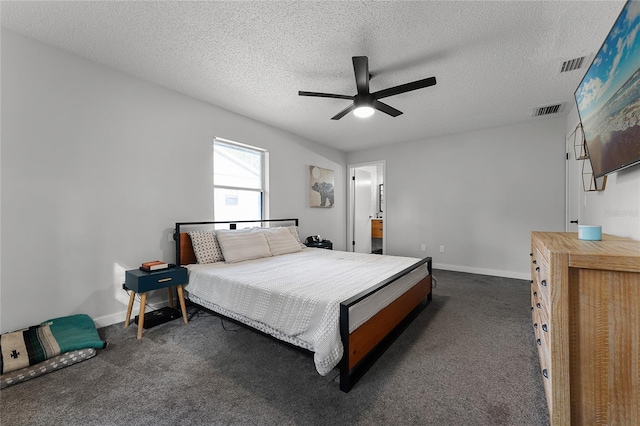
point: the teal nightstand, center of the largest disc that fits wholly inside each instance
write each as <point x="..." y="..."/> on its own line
<point x="141" y="282"/>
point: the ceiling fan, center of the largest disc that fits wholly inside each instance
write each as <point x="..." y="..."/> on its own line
<point x="364" y="102"/>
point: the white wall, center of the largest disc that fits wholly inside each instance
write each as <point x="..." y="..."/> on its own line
<point x="480" y="194"/>
<point x="97" y="166"/>
<point x="617" y="208"/>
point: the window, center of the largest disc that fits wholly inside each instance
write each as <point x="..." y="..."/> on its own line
<point x="239" y="181"/>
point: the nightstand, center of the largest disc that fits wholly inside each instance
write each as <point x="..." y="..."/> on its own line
<point x="141" y="282"/>
<point x="324" y="244"/>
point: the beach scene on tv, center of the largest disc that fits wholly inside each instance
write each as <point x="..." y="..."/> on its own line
<point x="608" y="97"/>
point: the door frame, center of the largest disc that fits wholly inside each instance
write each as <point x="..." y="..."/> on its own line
<point x="573" y="188"/>
<point x="350" y="201"/>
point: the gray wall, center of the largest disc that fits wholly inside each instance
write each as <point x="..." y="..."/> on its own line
<point x="617" y="208"/>
<point x="97" y="166"/>
<point x="479" y="194"/>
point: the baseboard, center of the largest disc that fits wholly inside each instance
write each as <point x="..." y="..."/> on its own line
<point x="483" y="271"/>
<point x="120" y="316"/>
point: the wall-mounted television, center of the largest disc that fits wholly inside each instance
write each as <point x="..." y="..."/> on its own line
<point x="608" y="98"/>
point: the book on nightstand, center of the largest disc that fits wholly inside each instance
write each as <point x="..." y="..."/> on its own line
<point x="153" y="266"/>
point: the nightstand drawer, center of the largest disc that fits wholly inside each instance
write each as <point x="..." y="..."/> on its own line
<point x="141" y="281"/>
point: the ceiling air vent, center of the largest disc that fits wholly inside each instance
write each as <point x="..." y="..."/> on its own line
<point x="574" y="64"/>
<point x="548" y="110"/>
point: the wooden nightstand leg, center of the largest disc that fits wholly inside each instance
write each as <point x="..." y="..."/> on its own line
<point x="131" y="298"/>
<point x="182" y="305"/>
<point x="143" y="302"/>
<point x="170" y="292"/>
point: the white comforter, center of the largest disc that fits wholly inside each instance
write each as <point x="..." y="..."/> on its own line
<point x="296" y="296"/>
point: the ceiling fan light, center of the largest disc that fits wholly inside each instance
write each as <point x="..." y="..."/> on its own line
<point x="363" y="111"/>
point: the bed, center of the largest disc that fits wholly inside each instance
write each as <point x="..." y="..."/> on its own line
<point x="345" y="308"/>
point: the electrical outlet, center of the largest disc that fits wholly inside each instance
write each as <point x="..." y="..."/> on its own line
<point x="441" y="249"/>
<point x="423" y="247"/>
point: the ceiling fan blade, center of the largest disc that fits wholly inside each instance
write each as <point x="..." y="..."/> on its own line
<point x="396" y="90"/>
<point x="344" y="112"/>
<point x="323" y="95"/>
<point x="386" y="108"/>
<point x="361" y="69"/>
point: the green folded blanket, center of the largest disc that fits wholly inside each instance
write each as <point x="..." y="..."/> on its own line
<point x="38" y="343"/>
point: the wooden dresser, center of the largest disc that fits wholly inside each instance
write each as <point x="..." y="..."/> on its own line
<point x="585" y="304"/>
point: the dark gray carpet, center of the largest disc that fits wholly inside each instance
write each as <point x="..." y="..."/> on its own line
<point x="468" y="359"/>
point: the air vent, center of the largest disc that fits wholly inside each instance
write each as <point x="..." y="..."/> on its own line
<point x="548" y="110"/>
<point x="574" y="64"/>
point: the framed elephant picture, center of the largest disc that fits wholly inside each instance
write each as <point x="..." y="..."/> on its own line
<point x="321" y="187"/>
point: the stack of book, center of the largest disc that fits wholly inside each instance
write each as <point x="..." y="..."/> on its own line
<point x="154" y="266"/>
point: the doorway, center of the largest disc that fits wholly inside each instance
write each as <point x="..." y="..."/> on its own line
<point x="366" y="229"/>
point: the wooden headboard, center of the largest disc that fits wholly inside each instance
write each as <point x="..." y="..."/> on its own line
<point x="184" y="247"/>
<point x="187" y="255"/>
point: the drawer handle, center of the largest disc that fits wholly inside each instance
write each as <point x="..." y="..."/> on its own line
<point x="545" y="373"/>
<point x="164" y="280"/>
<point x="535" y="325"/>
<point x="531" y="282"/>
<point x="538" y="342"/>
<point x="537" y="269"/>
<point x="535" y="294"/>
<point x="544" y="283"/>
<point x="538" y="305"/>
<point x="530" y="254"/>
<point x="535" y="261"/>
<point x="544" y="328"/>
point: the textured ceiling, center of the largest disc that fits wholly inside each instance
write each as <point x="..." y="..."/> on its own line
<point x="494" y="61"/>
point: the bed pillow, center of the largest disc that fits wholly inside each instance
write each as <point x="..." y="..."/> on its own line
<point x="243" y="244"/>
<point x="296" y="234"/>
<point x="281" y="241"/>
<point x="206" y="247"/>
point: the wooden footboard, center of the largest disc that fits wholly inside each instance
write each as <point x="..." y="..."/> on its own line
<point x="367" y="343"/>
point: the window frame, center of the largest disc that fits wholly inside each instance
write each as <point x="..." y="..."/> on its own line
<point x="264" y="181"/>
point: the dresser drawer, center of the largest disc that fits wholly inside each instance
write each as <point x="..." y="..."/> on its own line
<point x="535" y="300"/>
<point x="545" y="372"/>
<point x="543" y="320"/>
<point x="141" y="281"/>
<point x="541" y="275"/>
<point x="543" y="335"/>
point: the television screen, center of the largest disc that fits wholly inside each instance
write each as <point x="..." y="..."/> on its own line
<point x="608" y="98"/>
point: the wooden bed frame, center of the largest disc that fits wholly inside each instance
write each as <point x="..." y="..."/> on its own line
<point x="367" y="343"/>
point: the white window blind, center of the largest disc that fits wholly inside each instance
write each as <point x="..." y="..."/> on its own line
<point x="239" y="181"/>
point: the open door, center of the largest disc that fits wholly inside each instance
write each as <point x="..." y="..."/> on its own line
<point x="366" y="204"/>
<point x="362" y="211"/>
